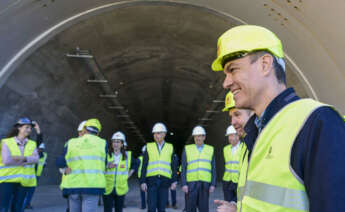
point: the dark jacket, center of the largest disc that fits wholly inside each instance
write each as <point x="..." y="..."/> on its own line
<point x="318" y="153"/>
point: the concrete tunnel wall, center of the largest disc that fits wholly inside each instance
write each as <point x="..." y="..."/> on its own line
<point x="52" y="89"/>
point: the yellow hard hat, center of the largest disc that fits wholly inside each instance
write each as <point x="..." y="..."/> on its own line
<point x="241" y="40"/>
<point x="93" y="123"/>
<point x="229" y="102"/>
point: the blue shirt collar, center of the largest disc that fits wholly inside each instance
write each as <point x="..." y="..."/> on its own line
<point x="280" y="101"/>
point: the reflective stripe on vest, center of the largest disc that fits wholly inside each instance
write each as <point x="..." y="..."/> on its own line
<point x="199" y="167"/>
<point x="232" y="162"/>
<point x="275" y="195"/>
<point x="25" y="175"/>
<point x="86" y="157"/>
<point x="118" y="176"/>
<point x="261" y="189"/>
<point x="159" y="162"/>
<point x="40" y="164"/>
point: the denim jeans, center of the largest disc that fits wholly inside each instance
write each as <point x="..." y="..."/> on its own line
<point x="83" y="202"/>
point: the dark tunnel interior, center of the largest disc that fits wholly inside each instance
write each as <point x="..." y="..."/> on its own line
<point x="130" y="69"/>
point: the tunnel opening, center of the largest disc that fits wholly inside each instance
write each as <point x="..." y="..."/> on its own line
<point x="155" y="68"/>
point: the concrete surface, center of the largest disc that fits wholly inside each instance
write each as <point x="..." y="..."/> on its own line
<point x="49" y="199"/>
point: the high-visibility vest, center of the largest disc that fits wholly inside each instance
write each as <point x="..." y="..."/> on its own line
<point x="269" y="184"/>
<point x="40" y="164"/>
<point x="118" y="176"/>
<point x="140" y="165"/>
<point x="199" y="167"/>
<point x="233" y="162"/>
<point x="159" y="162"/>
<point x="86" y="157"/>
<point x="25" y="175"/>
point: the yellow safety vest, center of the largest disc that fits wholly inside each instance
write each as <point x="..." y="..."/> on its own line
<point x="25" y="175"/>
<point x="269" y="184"/>
<point x="40" y="164"/>
<point x="86" y="157"/>
<point x="140" y="165"/>
<point x="118" y="176"/>
<point x="233" y="162"/>
<point x="199" y="167"/>
<point x="159" y="162"/>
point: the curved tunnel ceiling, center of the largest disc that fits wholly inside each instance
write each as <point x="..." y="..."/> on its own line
<point x="155" y="57"/>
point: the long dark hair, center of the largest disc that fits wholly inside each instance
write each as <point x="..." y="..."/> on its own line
<point x="13" y="132"/>
<point x="111" y="149"/>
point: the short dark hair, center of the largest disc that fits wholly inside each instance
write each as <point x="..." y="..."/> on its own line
<point x="278" y="69"/>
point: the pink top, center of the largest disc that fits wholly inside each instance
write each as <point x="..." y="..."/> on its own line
<point x="6" y="154"/>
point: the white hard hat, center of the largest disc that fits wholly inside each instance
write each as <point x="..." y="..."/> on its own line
<point x="159" y="127"/>
<point x="81" y="126"/>
<point x="42" y="146"/>
<point x="198" y="130"/>
<point x="119" y="136"/>
<point x="143" y="149"/>
<point x="230" y="130"/>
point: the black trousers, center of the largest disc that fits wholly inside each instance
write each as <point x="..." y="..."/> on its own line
<point x="157" y="193"/>
<point x="113" y="199"/>
<point x="230" y="191"/>
<point x="197" y="196"/>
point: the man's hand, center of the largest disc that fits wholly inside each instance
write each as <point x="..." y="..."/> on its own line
<point x="173" y="186"/>
<point x="224" y="206"/>
<point x="212" y="188"/>
<point x="68" y="171"/>
<point x="143" y="187"/>
<point x="185" y="189"/>
<point x="37" y="127"/>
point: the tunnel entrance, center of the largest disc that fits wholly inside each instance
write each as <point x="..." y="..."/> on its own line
<point x="142" y="64"/>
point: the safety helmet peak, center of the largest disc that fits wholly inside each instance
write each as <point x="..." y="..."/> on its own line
<point x="198" y="130"/>
<point x="94" y="123"/>
<point x="241" y="40"/>
<point x="229" y="102"/>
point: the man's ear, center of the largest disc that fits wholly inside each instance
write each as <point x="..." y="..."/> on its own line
<point x="266" y="64"/>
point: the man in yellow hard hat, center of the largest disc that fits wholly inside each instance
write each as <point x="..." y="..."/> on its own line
<point x="297" y="138"/>
<point x="239" y="118"/>
<point x="85" y="159"/>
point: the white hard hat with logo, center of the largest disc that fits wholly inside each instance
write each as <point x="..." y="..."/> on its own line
<point x="119" y="136"/>
<point x="81" y="126"/>
<point x="159" y="127"/>
<point x="198" y="130"/>
<point x="230" y="130"/>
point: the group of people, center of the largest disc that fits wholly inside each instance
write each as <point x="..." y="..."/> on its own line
<point x="21" y="164"/>
<point x="284" y="153"/>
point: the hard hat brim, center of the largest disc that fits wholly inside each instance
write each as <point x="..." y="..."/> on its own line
<point x="217" y="64"/>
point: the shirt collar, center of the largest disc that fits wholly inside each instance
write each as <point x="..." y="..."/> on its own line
<point x="236" y="146"/>
<point x="20" y="142"/>
<point x="280" y="101"/>
<point x="160" y="145"/>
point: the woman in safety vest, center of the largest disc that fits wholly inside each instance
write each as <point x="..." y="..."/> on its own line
<point x="120" y="167"/>
<point x="17" y="166"/>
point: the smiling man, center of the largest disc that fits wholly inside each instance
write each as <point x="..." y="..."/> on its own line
<point x="297" y="143"/>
